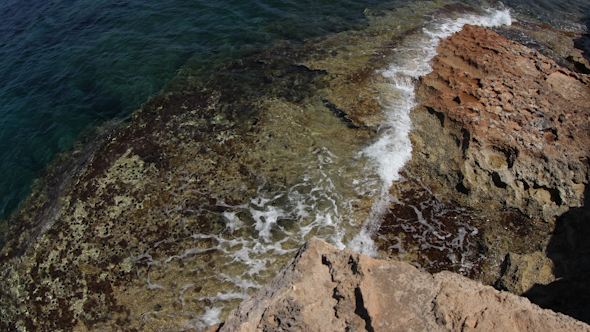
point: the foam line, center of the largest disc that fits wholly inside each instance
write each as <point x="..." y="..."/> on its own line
<point x="393" y="148"/>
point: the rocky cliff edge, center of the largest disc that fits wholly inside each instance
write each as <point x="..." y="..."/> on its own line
<point x="327" y="289"/>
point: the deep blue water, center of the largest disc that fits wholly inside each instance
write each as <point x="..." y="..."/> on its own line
<point x="66" y="65"/>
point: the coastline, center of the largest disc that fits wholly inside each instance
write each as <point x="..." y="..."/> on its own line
<point x="539" y="262"/>
<point x="99" y="239"/>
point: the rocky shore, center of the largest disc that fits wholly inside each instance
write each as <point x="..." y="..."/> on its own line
<point x="504" y="131"/>
<point x="326" y="289"/>
<point x="520" y="127"/>
<point x="158" y="219"/>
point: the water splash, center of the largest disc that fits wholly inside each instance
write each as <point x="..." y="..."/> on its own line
<point x="393" y="149"/>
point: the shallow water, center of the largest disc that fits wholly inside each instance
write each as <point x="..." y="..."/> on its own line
<point x="69" y="66"/>
<point x="248" y="199"/>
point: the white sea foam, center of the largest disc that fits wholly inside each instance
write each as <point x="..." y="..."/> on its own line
<point x="393" y="149"/>
<point x="323" y="202"/>
<point x="211" y="316"/>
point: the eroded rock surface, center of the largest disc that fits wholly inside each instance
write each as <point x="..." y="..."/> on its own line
<point x="504" y="130"/>
<point x="500" y="153"/>
<point x="520" y="121"/>
<point x="327" y="289"/>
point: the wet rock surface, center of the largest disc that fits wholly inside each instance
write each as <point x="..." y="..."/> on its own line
<point x="326" y="289"/>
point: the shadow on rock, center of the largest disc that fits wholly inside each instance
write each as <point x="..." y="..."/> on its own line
<point x="569" y="249"/>
<point x="583" y="44"/>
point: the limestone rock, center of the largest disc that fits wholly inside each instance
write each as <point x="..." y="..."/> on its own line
<point x="522" y="272"/>
<point x="519" y="121"/>
<point x="327" y="289"/>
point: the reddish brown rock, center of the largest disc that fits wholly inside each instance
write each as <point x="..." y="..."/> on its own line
<point x="520" y="123"/>
<point x="504" y="130"/>
<point x="326" y="289"/>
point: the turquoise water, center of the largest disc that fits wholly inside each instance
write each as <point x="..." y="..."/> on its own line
<point x="68" y="65"/>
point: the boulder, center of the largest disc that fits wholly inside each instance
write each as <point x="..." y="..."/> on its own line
<point x="522" y="272"/>
<point x="327" y="289"/>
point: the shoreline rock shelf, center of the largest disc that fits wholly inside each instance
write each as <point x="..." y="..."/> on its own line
<point x="519" y="120"/>
<point x="504" y="130"/>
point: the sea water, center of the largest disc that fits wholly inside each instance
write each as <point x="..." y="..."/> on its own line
<point x="71" y="65"/>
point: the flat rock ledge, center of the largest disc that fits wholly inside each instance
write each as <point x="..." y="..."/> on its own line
<point x="327" y="289"/>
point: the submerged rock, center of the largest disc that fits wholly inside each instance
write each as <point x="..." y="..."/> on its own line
<point x="327" y="289"/>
